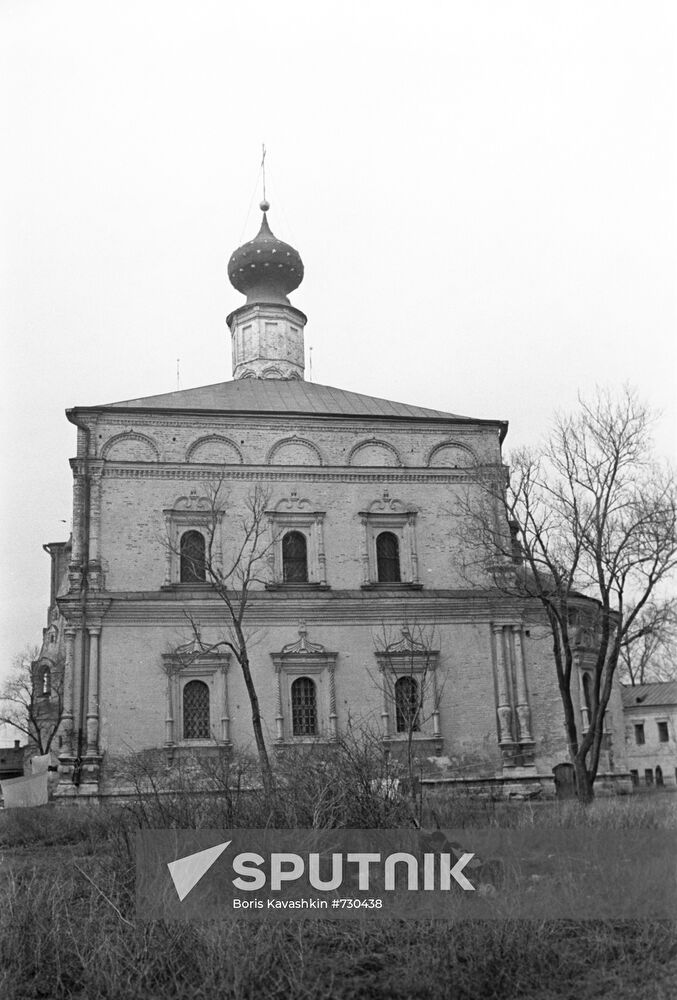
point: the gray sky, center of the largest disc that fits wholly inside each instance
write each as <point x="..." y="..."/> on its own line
<point x="483" y="194"/>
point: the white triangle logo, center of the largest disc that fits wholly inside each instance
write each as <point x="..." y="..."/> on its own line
<point x="187" y="872"/>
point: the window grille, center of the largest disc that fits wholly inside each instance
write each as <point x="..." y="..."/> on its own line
<point x="196" y="711"/>
<point x="303" y="707"/>
<point x="192" y="557"/>
<point x="294" y="557"/>
<point x="387" y="558"/>
<point x="407" y="705"/>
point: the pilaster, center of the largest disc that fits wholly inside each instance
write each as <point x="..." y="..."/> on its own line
<point x="94" y="632"/>
<point x="67" y="721"/>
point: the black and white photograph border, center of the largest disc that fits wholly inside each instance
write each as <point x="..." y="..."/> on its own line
<point x="339" y="500"/>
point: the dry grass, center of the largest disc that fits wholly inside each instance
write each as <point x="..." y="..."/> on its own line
<point x="68" y="929"/>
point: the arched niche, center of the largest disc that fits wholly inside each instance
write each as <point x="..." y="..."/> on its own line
<point x="294" y="451"/>
<point x="214" y="449"/>
<point x="374" y="453"/>
<point x="130" y="446"/>
<point x="451" y="455"/>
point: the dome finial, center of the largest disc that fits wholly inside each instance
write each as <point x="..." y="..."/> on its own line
<point x="264" y="205"/>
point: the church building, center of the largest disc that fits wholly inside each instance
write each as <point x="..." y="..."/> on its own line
<point x="363" y="610"/>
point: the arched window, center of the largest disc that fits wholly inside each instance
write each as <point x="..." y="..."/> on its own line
<point x="587" y="695"/>
<point x="407" y="705"/>
<point x="303" y="707"/>
<point x="192" y="547"/>
<point x="294" y="558"/>
<point x="196" y="711"/>
<point x="387" y="558"/>
<point x="659" y="776"/>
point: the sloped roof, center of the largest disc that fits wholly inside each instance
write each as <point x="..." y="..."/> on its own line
<point x="253" y="395"/>
<point x="641" y="695"/>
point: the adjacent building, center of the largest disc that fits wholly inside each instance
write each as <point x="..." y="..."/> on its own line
<point x="650" y="712"/>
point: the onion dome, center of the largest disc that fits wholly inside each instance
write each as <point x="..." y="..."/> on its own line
<point x="265" y="269"/>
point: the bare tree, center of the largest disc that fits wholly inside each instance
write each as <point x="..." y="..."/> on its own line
<point x="585" y="528"/>
<point x="649" y="651"/>
<point x="411" y="689"/>
<point x="232" y="583"/>
<point x="31" y="699"/>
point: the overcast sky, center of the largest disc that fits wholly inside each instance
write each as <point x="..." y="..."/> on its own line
<point x="483" y="194"/>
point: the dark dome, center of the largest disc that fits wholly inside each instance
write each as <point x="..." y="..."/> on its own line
<point x="265" y="269"/>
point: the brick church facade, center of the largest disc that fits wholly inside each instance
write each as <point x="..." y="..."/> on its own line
<point x="364" y="611"/>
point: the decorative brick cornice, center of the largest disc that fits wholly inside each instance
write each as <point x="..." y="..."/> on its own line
<point x="311" y="421"/>
<point x="337" y="474"/>
<point x="317" y="608"/>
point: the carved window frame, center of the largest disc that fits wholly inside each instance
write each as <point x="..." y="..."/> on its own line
<point x="306" y="659"/>
<point x="409" y="659"/>
<point x="212" y="670"/>
<point x="296" y="514"/>
<point x="388" y="514"/>
<point x="191" y="513"/>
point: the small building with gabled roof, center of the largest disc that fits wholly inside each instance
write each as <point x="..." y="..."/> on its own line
<point x="650" y="712"/>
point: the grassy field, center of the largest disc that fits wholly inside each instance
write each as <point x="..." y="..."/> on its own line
<point x="68" y="927"/>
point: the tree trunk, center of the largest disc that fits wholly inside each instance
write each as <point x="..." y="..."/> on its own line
<point x="584" y="785"/>
<point x="264" y="761"/>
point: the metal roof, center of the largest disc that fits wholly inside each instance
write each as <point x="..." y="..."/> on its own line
<point x="641" y="695"/>
<point x="253" y="395"/>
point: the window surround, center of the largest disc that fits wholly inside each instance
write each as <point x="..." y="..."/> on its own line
<point x="663" y="730"/>
<point x="388" y="514"/>
<point x="639" y="733"/>
<point x="296" y="514"/>
<point x="304" y="658"/>
<point x="410" y="658"/>
<point x="190" y="513"/>
<point x="187" y="664"/>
